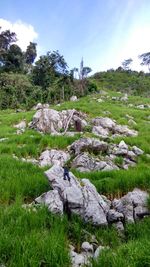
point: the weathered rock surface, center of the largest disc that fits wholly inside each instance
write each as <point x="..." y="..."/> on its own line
<point x="104" y="127"/>
<point x="82" y="197"/>
<point x="52" y="200"/>
<point x="53" y="156"/>
<point x="132" y="205"/>
<point x="88" y="144"/>
<point x="51" y="121"/>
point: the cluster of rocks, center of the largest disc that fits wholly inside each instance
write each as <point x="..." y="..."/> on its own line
<point x="88" y="252"/>
<point x="105" y="157"/>
<point x="54" y="122"/>
<point x="104" y="127"/>
<point x="90" y="154"/>
<point x="81" y="197"/>
<point x="118" y="98"/>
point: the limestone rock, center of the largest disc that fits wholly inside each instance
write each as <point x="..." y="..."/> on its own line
<point x="53" y="156"/>
<point x="104" y="122"/>
<point x="88" y="144"/>
<point x="52" y="200"/>
<point x="131" y="203"/>
<point x="87" y="247"/>
<point x="100" y="131"/>
<point x="73" y="98"/>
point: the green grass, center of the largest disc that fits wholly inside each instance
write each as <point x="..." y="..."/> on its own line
<point x="29" y="238"/>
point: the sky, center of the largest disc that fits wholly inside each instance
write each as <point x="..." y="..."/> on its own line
<point x="103" y="32"/>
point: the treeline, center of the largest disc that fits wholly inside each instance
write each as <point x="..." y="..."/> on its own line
<point x="24" y="81"/>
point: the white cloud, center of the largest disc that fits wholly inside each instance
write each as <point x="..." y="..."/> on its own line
<point x="25" y="32"/>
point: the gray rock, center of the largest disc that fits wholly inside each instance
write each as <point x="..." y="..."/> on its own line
<point x="132" y="122"/>
<point x="104" y="122"/>
<point x="98" y="251"/>
<point x="53" y="156"/>
<point x="88" y="144"/>
<point x="114" y="216"/>
<point x="52" y="200"/>
<point x="73" y="98"/>
<point x="100" y="131"/>
<point x="137" y="150"/>
<point x="127" y="204"/>
<point x="87" y="247"/>
<point x="82" y="198"/>
<point x="21" y="125"/>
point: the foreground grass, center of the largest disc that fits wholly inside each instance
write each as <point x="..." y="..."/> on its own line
<point x="40" y="238"/>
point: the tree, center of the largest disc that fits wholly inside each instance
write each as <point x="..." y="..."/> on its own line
<point x="126" y="63"/>
<point x="48" y="68"/>
<point x="6" y="39"/>
<point x="13" y="60"/>
<point x="30" y="53"/>
<point x="145" y="59"/>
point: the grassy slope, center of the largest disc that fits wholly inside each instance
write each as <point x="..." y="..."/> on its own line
<point x="41" y="239"/>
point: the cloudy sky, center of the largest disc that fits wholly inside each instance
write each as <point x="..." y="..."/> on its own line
<point x="103" y="32"/>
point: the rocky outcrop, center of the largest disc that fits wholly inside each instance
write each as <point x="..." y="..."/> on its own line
<point x="81" y="197"/>
<point x="132" y="205"/>
<point x="105" y="127"/>
<point x="88" y="144"/>
<point x="53" y="122"/>
<point x="107" y="156"/>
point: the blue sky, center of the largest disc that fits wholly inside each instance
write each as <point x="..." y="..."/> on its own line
<point x="103" y="32"/>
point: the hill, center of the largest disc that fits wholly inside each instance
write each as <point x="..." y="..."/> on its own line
<point x="36" y="237"/>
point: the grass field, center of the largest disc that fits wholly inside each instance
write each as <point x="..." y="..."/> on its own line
<point x="33" y="239"/>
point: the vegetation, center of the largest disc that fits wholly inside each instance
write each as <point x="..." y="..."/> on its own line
<point x="30" y="238"/>
<point x="36" y="238"/>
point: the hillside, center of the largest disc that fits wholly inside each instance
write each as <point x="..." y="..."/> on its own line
<point x="33" y="236"/>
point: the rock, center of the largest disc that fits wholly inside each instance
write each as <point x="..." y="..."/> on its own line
<point x="115" y="98"/>
<point x="124" y="130"/>
<point x="98" y="251"/>
<point x="79" y="260"/>
<point x="114" y="216"/>
<point x="100" y="131"/>
<point x="21" y="125"/>
<point x="124" y="98"/>
<point x="104" y="122"/>
<point x="88" y="144"/>
<point x="4" y="139"/>
<point x="121" y="149"/>
<point x="53" y="156"/>
<point x="52" y="200"/>
<point x="132" y="122"/>
<point x="141" y="106"/>
<point x="131" y="203"/>
<point x="119" y="226"/>
<point x="129" y="117"/>
<point x="87" y="247"/>
<point x="40" y="106"/>
<point x="82" y="198"/>
<point x="51" y="121"/>
<point x="137" y="150"/>
<point x="99" y="100"/>
<point x="73" y="98"/>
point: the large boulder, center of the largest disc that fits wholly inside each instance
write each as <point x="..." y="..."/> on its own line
<point x="82" y="197"/>
<point x="132" y="205"/>
<point x="52" y="121"/>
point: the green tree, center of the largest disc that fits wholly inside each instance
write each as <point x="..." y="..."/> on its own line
<point x="14" y="59"/>
<point x="47" y="68"/>
<point x="30" y="53"/>
<point x="145" y="59"/>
